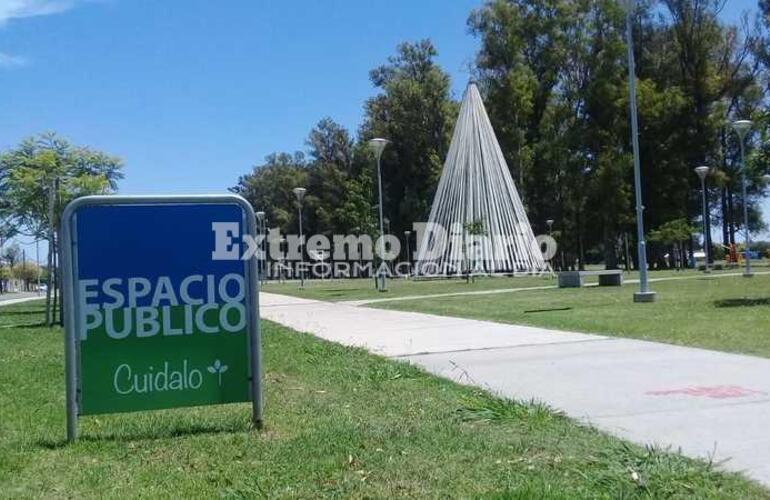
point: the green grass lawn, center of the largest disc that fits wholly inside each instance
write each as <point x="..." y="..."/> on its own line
<point x="727" y="314"/>
<point x="339" y="422"/>
<point x="362" y="289"/>
<point x="358" y="289"/>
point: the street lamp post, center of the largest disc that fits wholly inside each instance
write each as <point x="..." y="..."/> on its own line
<point x="703" y="172"/>
<point x="266" y="265"/>
<point x="299" y="192"/>
<point x="387" y="231"/>
<point x="407" y="234"/>
<point x="742" y="128"/>
<point x="37" y="263"/>
<point x="261" y="228"/>
<point x="644" y="294"/>
<point x="378" y="145"/>
<point x="281" y="260"/>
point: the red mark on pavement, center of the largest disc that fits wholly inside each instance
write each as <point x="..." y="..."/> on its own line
<point x="715" y="392"/>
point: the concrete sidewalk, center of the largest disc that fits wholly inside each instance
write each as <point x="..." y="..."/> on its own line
<point x="8" y="299"/>
<point x="709" y="404"/>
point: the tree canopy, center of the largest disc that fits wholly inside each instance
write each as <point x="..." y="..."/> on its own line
<point x="413" y="110"/>
<point x="37" y="180"/>
<point x="29" y="172"/>
<point x="554" y="77"/>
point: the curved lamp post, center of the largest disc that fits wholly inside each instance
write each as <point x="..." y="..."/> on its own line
<point x="703" y="172"/>
<point x="299" y="192"/>
<point x="742" y="128"/>
<point x="644" y="294"/>
<point x="377" y="146"/>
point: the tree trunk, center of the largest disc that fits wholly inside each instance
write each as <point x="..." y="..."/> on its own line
<point x="725" y="218"/>
<point x="731" y="212"/>
<point x="57" y="241"/>
<point x="55" y="283"/>
<point x="626" y="262"/>
<point x="59" y="283"/>
<point x="48" y="318"/>
<point x="707" y="236"/>
<point x="610" y="253"/>
<point x="49" y="301"/>
<point x="581" y="260"/>
<point x="691" y="250"/>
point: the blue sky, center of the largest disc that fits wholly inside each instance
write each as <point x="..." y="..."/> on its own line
<point x="191" y="94"/>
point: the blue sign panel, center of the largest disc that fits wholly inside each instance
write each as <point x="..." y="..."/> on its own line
<point x="161" y="304"/>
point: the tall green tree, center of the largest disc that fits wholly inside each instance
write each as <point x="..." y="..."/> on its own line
<point x="415" y="112"/>
<point x="554" y="76"/>
<point x="11" y="254"/>
<point x="555" y="89"/>
<point x="330" y="143"/>
<point x="31" y="171"/>
<point x="37" y="180"/>
<point x="711" y="64"/>
<point x="268" y="187"/>
<point x="331" y="175"/>
<point x="523" y="50"/>
<point x="337" y="174"/>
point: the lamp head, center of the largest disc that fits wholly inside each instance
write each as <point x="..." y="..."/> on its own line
<point x="299" y="192"/>
<point x="549" y="222"/>
<point x="260" y="216"/>
<point x="742" y="127"/>
<point x="377" y="145"/>
<point x="702" y="172"/>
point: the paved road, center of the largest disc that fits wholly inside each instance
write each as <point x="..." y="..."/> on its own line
<point x="706" y="403"/>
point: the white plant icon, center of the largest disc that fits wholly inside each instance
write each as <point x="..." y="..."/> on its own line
<point x="218" y="369"/>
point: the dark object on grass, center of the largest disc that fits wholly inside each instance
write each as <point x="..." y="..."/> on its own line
<point x="548" y="310"/>
<point x="743" y="302"/>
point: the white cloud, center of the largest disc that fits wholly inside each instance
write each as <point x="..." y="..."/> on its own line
<point x="11" y="61"/>
<point x="16" y="9"/>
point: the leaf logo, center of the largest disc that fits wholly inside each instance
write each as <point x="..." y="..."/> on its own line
<point x="218" y="368"/>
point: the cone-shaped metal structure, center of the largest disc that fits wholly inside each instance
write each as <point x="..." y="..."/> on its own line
<point x="477" y="204"/>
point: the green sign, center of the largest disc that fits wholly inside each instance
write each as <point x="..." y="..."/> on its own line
<point x="159" y="316"/>
<point x="163" y="357"/>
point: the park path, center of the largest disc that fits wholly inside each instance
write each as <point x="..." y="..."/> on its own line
<point x="711" y="405"/>
<point x="8" y="299"/>
<point x="496" y="291"/>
